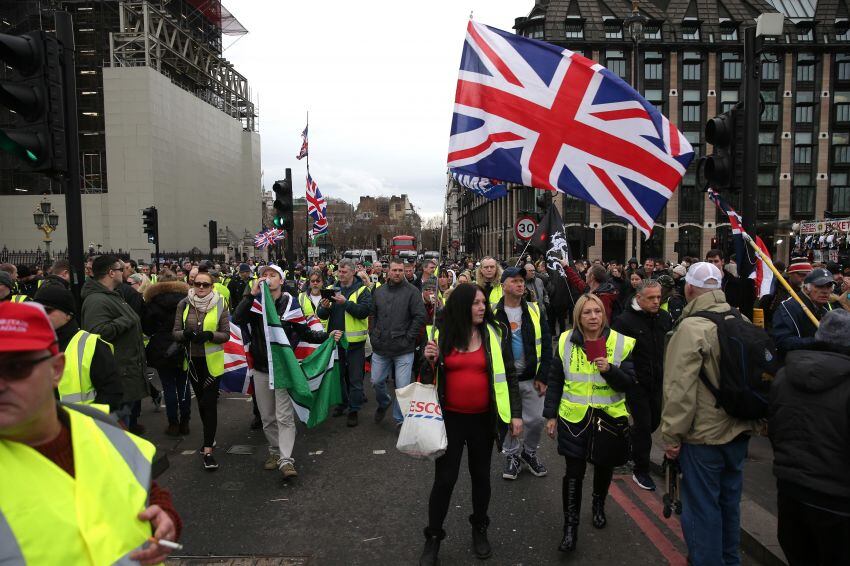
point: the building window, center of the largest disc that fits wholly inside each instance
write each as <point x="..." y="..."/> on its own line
<point x="690" y="29"/>
<point x="655" y="96"/>
<point x="728" y="31"/>
<point x="842" y="66"/>
<point x="728" y="99"/>
<point x="769" y="70"/>
<point x="766" y="179"/>
<point x="841" y="99"/>
<point x="803" y="148"/>
<point x="841" y="148"/>
<point x="691" y="66"/>
<point x="806" y="67"/>
<point x="804" y="107"/>
<point x="613" y="28"/>
<point x="653" y="65"/>
<point x="652" y="30"/>
<point x="534" y="31"/>
<point x="768" y="201"/>
<point x="691" y="106"/>
<point x="574" y="28"/>
<point x="771" y="107"/>
<point x="768" y="149"/>
<point x="803" y="200"/>
<point x="731" y="66"/>
<point x="839" y="194"/>
<point x="690" y="200"/>
<point x="693" y="137"/>
<point x="806" y="31"/>
<point x="842" y="30"/>
<point x="616" y="62"/>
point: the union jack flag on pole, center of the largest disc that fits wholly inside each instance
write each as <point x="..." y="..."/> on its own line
<point x="320" y="228"/>
<point x="743" y="259"/>
<point x="316" y="203"/>
<point x="303" y="153"/>
<point x="535" y="114"/>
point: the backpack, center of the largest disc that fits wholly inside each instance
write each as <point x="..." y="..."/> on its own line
<point x="748" y="362"/>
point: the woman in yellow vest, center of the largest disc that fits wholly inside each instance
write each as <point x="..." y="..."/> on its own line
<point x="590" y="371"/>
<point x="309" y="299"/>
<point x="470" y="351"/>
<point x="202" y="323"/>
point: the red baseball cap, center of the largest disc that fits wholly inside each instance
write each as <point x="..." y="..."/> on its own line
<point x="25" y="327"/>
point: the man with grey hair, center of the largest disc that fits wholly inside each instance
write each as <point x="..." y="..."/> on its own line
<point x="349" y="311"/>
<point x="809" y="428"/>
<point x="645" y="321"/>
<point x="709" y="444"/>
<point x="792" y="328"/>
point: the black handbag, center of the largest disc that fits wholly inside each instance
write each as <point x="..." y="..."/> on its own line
<point x="609" y="443"/>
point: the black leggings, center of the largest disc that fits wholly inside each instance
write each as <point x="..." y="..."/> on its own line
<point x="576" y="468"/>
<point x="476" y="431"/>
<point x="207" y="397"/>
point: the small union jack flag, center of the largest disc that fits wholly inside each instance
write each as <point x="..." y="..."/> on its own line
<point x="535" y="114"/>
<point x="320" y="227"/>
<point x="316" y="203"/>
<point x="303" y="153"/>
<point x="739" y="236"/>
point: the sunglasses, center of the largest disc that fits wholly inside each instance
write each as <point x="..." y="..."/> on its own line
<point x="202" y="285"/>
<point x="17" y="370"/>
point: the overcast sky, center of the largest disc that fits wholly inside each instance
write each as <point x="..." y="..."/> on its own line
<point x="378" y="78"/>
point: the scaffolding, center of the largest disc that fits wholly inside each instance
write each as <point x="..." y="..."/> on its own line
<point x="153" y="37"/>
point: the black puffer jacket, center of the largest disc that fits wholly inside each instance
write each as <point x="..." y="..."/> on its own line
<point x="161" y="301"/>
<point x="809" y="428"/>
<point x="398" y="315"/>
<point x="649" y="331"/>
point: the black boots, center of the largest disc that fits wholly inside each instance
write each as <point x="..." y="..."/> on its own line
<point x="598" y="510"/>
<point x="480" y="544"/>
<point x="432" y="547"/>
<point x="571" y="494"/>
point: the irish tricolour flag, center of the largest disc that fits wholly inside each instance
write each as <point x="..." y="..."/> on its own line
<point x="313" y="383"/>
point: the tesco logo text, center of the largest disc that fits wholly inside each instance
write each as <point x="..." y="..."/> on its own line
<point x="423" y="407"/>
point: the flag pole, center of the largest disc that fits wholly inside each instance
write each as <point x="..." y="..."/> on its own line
<point x="767" y="261"/>
<point x="440" y="249"/>
<point x="307" y="207"/>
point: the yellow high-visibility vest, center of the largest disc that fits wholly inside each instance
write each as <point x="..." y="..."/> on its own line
<point x="308" y="309"/>
<point x="214" y="353"/>
<point x="499" y="377"/>
<point x="584" y="386"/>
<point x="356" y="329"/>
<point x="76" y="385"/>
<point x="495" y="296"/>
<point x="88" y="519"/>
<point x="19" y="298"/>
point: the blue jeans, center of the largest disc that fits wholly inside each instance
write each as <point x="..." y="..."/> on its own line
<point x="712" y="481"/>
<point x="178" y="396"/>
<point x="381" y="365"/>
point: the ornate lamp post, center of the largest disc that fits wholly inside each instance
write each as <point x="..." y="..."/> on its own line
<point x="46" y="220"/>
<point x="635" y="23"/>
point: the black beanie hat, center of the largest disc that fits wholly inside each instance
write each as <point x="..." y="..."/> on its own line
<point x="56" y="297"/>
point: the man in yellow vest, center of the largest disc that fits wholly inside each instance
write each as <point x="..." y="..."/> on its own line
<point x="76" y="488"/>
<point x="90" y="375"/>
<point x="531" y="344"/>
<point x="488" y="276"/>
<point x="349" y="311"/>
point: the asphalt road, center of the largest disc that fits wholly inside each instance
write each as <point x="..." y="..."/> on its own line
<point x="359" y="501"/>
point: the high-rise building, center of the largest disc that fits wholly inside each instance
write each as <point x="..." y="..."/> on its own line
<point x="165" y="120"/>
<point x="690" y="64"/>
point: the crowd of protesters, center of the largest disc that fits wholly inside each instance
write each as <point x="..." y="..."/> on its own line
<point x="515" y="350"/>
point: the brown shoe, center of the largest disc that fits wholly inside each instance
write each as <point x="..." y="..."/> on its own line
<point x="184" y="429"/>
<point x="173" y="429"/>
<point x="288" y="470"/>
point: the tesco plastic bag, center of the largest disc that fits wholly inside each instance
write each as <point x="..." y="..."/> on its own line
<point x="423" y="434"/>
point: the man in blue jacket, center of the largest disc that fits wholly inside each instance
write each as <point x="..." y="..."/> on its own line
<point x="792" y="328"/>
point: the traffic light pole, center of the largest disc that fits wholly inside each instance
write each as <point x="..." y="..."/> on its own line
<point x="73" y="199"/>
<point x="290" y="236"/>
<point x="749" y="174"/>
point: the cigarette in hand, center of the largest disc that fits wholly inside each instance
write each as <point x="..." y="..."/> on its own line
<point x="166" y="543"/>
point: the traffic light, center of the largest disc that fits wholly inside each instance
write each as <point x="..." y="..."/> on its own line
<point x="35" y="95"/>
<point x="213" y="227"/>
<point x="150" y="224"/>
<point x="723" y="168"/>
<point x="283" y="211"/>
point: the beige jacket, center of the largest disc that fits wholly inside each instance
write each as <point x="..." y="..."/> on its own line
<point x="689" y="413"/>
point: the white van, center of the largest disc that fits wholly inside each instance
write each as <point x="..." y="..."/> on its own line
<point x="368" y="255"/>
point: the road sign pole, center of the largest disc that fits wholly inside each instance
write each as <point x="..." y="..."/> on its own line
<point x="73" y="199"/>
<point x="749" y="177"/>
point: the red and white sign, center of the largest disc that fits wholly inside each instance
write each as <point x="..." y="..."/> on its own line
<point x="525" y="227"/>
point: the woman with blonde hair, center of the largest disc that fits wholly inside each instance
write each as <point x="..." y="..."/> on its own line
<point x="586" y="404"/>
<point x="139" y="282"/>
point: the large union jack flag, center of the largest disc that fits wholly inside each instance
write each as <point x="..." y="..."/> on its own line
<point x="532" y="113"/>
<point x="316" y="203"/>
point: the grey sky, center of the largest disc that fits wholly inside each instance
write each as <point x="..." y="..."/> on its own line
<point x="378" y="78"/>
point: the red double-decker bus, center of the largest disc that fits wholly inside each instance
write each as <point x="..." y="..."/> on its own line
<point x="402" y="243"/>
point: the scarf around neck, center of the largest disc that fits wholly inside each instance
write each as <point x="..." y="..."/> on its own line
<point x="202" y="304"/>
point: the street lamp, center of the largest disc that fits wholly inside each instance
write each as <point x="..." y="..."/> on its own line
<point x="46" y="220"/>
<point x="635" y="23"/>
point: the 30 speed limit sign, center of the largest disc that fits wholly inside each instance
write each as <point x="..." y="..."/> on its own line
<point x="525" y="227"/>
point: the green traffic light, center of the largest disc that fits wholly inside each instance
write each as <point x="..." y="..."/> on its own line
<point x="31" y="156"/>
<point x="9" y="145"/>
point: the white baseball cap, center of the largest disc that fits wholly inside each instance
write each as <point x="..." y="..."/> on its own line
<point x="274" y="267"/>
<point x="704" y="275"/>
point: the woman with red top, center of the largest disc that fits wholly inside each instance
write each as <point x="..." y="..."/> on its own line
<point x="469" y="359"/>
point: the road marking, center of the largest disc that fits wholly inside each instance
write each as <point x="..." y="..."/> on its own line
<point x="656" y="506"/>
<point x="378" y="452"/>
<point x="371" y="539"/>
<point x="188" y="452"/>
<point x="273" y="500"/>
<point x="653" y="533"/>
<point x="316" y="453"/>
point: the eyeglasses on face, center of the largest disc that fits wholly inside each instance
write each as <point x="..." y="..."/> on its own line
<point x="202" y="285"/>
<point x="16" y="370"/>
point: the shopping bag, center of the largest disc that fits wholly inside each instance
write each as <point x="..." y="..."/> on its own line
<point x="423" y="434"/>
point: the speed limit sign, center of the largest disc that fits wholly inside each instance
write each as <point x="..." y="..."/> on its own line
<point x="525" y="227"/>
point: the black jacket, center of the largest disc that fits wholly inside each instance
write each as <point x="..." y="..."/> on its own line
<point x="528" y="340"/>
<point x="731" y="286"/>
<point x="237" y="289"/>
<point x="131" y="297"/>
<point x="398" y="314"/>
<point x="649" y="331"/>
<point x="161" y="301"/>
<point x="792" y="329"/>
<point x="809" y="428"/>
<point x="294" y="332"/>
<point x="103" y="372"/>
